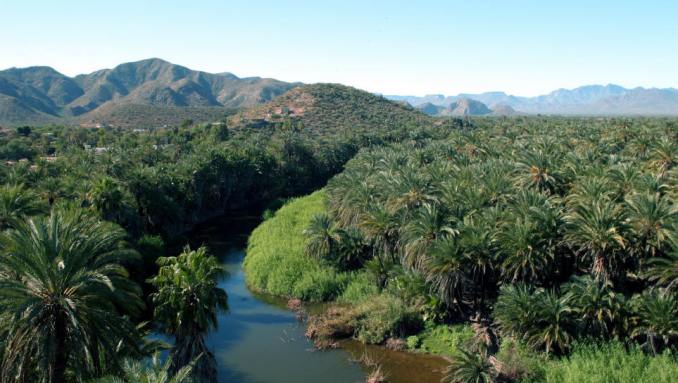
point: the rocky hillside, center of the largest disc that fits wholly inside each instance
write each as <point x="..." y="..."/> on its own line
<point x="41" y="94"/>
<point x="332" y="107"/>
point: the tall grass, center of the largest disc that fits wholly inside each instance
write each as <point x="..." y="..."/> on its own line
<point x="611" y="362"/>
<point x="276" y="262"/>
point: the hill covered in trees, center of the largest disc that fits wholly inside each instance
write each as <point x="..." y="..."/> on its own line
<point x="332" y="108"/>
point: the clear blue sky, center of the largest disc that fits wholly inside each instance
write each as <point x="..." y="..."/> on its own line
<point x="393" y="47"/>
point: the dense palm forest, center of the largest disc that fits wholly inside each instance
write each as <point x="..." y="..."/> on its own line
<point x="541" y="233"/>
<point x="549" y="237"/>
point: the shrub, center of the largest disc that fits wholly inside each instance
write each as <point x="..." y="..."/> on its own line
<point x="360" y="287"/>
<point x="384" y="316"/>
<point x="445" y="340"/>
<point x="518" y="363"/>
<point x="413" y="342"/>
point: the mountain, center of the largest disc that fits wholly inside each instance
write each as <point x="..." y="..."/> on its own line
<point x="331" y="107"/>
<point x="585" y="100"/>
<point x="41" y="94"/>
<point x="503" y="110"/>
<point x="460" y="107"/>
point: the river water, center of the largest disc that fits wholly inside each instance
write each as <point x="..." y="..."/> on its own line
<point x="259" y="341"/>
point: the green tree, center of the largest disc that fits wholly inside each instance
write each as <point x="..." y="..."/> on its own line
<point x="187" y="302"/>
<point x="141" y="371"/>
<point x="61" y="288"/>
<point x="17" y="202"/>
<point x="323" y="238"/>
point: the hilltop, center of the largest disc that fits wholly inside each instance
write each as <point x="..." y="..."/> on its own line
<point x="41" y="94"/>
<point x="332" y="107"/>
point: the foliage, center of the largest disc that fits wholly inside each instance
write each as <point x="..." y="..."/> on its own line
<point x="62" y="287"/>
<point x="276" y="260"/>
<point x="445" y="339"/>
<point x="610" y="362"/>
<point x="143" y="371"/>
<point x="186" y="305"/>
<point x="383" y="316"/>
<point x="470" y="367"/>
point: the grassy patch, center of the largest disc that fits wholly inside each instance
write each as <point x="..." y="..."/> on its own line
<point x="611" y="362"/>
<point x="276" y="262"/>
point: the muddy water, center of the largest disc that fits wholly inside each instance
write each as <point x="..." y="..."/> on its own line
<point x="260" y="341"/>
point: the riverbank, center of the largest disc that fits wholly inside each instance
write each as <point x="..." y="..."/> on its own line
<point x="276" y="263"/>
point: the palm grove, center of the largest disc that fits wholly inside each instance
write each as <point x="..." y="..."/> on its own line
<point x="545" y="233"/>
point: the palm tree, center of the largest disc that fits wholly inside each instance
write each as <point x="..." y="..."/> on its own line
<point x="475" y="238"/>
<point x="663" y="154"/>
<point x="541" y="318"/>
<point x="61" y="288"/>
<point x="381" y="229"/>
<point x="187" y="301"/>
<point x="595" y="230"/>
<point x="664" y="270"/>
<point x="106" y="197"/>
<point x="598" y="305"/>
<point x="17" y="202"/>
<point x="656" y="318"/>
<point x="470" y="367"/>
<point x="352" y="251"/>
<point x="527" y="249"/>
<point x="515" y="312"/>
<point x="555" y="329"/>
<point x="429" y="224"/>
<point x="535" y="169"/>
<point x="51" y="189"/>
<point x="323" y="238"/>
<point x="651" y="216"/>
<point x="446" y="271"/>
<point x="136" y="371"/>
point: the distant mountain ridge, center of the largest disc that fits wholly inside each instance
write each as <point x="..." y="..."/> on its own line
<point x="41" y="94"/>
<point x="156" y="92"/>
<point x="586" y="100"/>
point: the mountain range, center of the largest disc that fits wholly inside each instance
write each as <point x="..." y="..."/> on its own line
<point x="585" y="100"/>
<point x="156" y="92"/>
<point x="41" y="94"/>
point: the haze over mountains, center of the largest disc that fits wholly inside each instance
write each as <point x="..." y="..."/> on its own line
<point x="156" y="92"/>
<point x="585" y="100"/>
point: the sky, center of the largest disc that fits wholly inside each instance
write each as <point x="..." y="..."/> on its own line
<point x="410" y="47"/>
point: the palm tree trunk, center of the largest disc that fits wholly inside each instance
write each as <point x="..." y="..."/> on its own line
<point x="58" y="369"/>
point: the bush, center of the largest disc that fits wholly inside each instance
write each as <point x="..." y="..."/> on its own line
<point x="611" y="362"/>
<point x="444" y="339"/>
<point x="413" y="342"/>
<point x="384" y="316"/>
<point x="360" y="287"/>
<point x="276" y="263"/>
<point x="518" y="362"/>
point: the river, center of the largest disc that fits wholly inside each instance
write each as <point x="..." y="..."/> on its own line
<point x="259" y="341"/>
